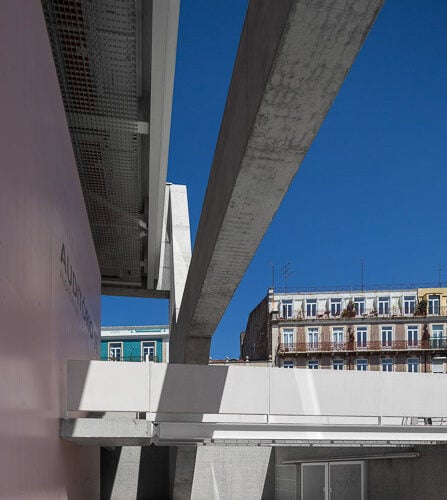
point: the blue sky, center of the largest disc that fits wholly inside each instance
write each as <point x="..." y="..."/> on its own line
<point x="373" y="185"/>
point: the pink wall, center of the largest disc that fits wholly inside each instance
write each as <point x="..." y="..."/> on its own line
<point x="41" y="323"/>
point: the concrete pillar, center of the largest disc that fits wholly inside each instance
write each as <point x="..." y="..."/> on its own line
<point x="182" y="465"/>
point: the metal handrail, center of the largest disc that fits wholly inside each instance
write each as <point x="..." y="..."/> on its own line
<point x="356" y="289"/>
<point x="367" y="314"/>
<point x="371" y="345"/>
<point x="140" y="359"/>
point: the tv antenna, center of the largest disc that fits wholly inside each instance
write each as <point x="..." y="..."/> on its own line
<point x="287" y="272"/>
<point x="362" y="272"/>
<point x="440" y="271"/>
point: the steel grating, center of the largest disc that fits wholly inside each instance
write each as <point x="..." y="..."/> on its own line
<point x="95" y="49"/>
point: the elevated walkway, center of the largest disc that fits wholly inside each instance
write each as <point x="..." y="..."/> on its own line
<point x="154" y="403"/>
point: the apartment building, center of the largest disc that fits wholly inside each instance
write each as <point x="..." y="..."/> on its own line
<point x="135" y="343"/>
<point x="402" y="330"/>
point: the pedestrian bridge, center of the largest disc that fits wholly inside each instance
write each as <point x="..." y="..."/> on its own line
<point x="125" y="404"/>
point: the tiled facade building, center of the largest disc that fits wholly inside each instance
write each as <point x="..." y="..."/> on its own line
<point x="382" y="330"/>
<point x="135" y="343"/>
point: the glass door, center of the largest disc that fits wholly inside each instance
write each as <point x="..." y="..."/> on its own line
<point x="312" y="335"/>
<point x="115" y="351"/>
<point x="314" y="481"/>
<point x="333" y="481"/>
<point x="288" y="338"/>
<point x="346" y="481"/>
<point x="149" y="350"/>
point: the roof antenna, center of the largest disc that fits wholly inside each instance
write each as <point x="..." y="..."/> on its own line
<point x="286" y="274"/>
<point x="273" y="276"/>
<point x="362" y="269"/>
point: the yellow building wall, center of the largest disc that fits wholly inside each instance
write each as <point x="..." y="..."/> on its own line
<point x="423" y="293"/>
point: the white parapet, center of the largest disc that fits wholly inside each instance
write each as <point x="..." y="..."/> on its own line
<point x="162" y="388"/>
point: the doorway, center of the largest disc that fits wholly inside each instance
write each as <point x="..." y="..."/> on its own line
<point x="333" y="481"/>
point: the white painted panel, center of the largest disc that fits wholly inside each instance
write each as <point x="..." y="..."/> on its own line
<point x="349" y="398"/>
<point x="108" y="386"/>
<point x="247" y="389"/>
<point x="157" y="374"/>
<point x="187" y="388"/>
<point x="318" y="392"/>
<point x="418" y="394"/>
<point x="208" y="389"/>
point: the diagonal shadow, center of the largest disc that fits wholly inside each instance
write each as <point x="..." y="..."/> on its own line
<point x="192" y="391"/>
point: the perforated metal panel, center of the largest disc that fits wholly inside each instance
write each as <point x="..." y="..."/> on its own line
<point x="95" y="51"/>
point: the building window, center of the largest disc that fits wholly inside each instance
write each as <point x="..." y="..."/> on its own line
<point x="287" y="364"/>
<point x="115" y="349"/>
<point x="433" y="304"/>
<point x="362" y="365"/>
<point x="337" y="337"/>
<point x="437" y="334"/>
<point x="312" y="336"/>
<point x="335" y="307"/>
<point x="384" y="306"/>
<point x="387" y="364"/>
<point x="413" y="365"/>
<point x="312" y="364"/>
<point x="311" y="308"/>
<point x="286" y="309"/>
<point x="362" y="337"/>
<point x="359" y="306"/>
<point x="387" y="336"/>
<point x="412" y="335"/>
<point x="338" y="364"/>
<point x="149" y="350"/>
<point x="409" y="304"/>
<point x="437" y="365"/>
<point x="287" y="336"/>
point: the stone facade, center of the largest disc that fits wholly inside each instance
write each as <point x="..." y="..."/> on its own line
<point x="381" y="330"/>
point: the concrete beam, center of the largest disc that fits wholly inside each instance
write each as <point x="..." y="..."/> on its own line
<point x="120" y="290"/>
<point x="180" y="246"/>
<point x="175" y="255"/>
<point x="293" y="57"/>
<point x="107" y="431"/>
<point x="165" y="14"/>
<point x="134" y="432"/>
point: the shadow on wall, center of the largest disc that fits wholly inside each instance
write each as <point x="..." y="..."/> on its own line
<point x="118" y="473"/>
<point x="153" y="476"/>
<point x="77" y="373"/>
<point x="268" y="490"/>
<point x="110" y="458"/>
<point x="210" y="471"/>
<point x="175" y="397"/>
<point x="175" y="394"/>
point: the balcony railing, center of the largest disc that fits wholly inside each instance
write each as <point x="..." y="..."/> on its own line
<point x="367" y="314"/>
<point x="372" y="345"/>
<point x="154" y="359"/>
